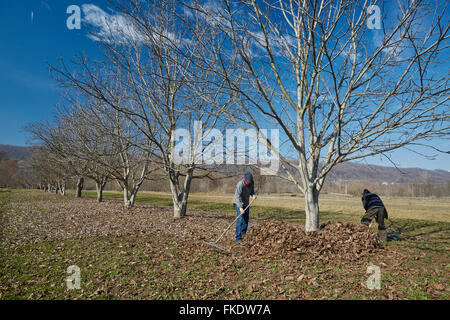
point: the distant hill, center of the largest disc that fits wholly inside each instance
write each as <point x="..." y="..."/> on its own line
<point x="364" y="173"/>
<point x="372" y="173"/>
<point x="351" y="171"/>
<point x="15" y="152"/>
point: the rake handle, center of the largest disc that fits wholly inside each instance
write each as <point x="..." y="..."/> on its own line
<point x="218" y="239"/>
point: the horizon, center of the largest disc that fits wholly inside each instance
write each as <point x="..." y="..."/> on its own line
<point x="346" y="162"/>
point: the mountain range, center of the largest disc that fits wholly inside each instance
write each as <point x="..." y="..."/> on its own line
<point x="347" y="171"/>
<point x="15" y="152"/>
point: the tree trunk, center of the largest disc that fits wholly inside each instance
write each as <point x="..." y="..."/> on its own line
<point x="79" y="186"/>
<point x="133" y="194"/>
<point x="178" y="211"/>
<point x="99" y="187"/>
<point x="180" y="199"/>
<point x="179" y="208"/>
<point x="312" y="209"/>
<point x="129" y="197"/>
<point x="132" y="198"/>
<point x="125" y="195"/>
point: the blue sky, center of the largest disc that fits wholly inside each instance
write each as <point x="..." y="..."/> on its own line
<point x="34" y="33"/>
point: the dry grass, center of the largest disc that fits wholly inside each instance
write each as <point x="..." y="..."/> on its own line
<point x="403" y="208"/>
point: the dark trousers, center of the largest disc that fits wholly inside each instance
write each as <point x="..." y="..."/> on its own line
<point x="242" y="223"/>
<point x="377" y="213"/>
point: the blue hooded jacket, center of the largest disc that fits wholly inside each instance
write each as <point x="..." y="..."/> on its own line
<point x="371" y="200"/>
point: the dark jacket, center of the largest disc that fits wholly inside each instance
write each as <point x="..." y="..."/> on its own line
<point x="371" y="200"/>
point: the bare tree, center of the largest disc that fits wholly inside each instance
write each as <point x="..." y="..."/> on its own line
<point x="85" y="146"/>
<point x="157" y="66"/>
<point x="338" y="88"/>
<point x="75" y="144"/>
<point x="108" y="141"/>
<point x="52" y="166"/>
<point x="171" y="83"/>
<point x="43" y="168"/>
<point x="131" y="165"/>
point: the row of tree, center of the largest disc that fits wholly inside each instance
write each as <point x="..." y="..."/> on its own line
<point x="8" y="169"/>
<point x="336" y="89"/>
<point x="22" y="174"/>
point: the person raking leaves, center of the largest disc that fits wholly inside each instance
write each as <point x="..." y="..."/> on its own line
<point x="374" y="209"/>
<point x="244" y="189"/>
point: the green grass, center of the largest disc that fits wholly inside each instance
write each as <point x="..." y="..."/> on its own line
<point x="262" y="212"/>
<point x="38" y="270"/>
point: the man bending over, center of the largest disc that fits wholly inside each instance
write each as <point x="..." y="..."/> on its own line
<point x="244" y="189"/>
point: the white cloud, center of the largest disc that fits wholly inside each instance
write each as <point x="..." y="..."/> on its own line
<point x="396" y="49"/>
<point x="120" y="29"/>
<point x="253" y="40"/>
<point x="214" y="11"/>
<point x="349" y="52"/>
<point x="109" y="27"/>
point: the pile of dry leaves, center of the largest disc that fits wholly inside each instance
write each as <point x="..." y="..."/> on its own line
<point x="333" y="239"/>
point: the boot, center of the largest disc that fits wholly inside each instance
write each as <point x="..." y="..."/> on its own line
<point x="382" y="235"/>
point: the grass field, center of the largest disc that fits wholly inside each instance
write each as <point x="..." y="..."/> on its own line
<point x="143" y="254"/>
<point x="404" y="208"/>
<point x="409" y="208"/>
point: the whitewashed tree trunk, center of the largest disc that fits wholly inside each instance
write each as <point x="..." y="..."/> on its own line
<point x="131" y="200"/>
<point x="180" y="197"/>
<point x="125" y="194"/>
<point x="179" y="208"/>
<point x="179" y="202"/>
<point x="62" y="188"/>
<point x="99" y="186"/>
<point x="128" y="197"/>
<point x="311" y="209"/>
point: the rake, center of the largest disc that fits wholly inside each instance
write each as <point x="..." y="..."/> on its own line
<point x="214" y="244"/>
